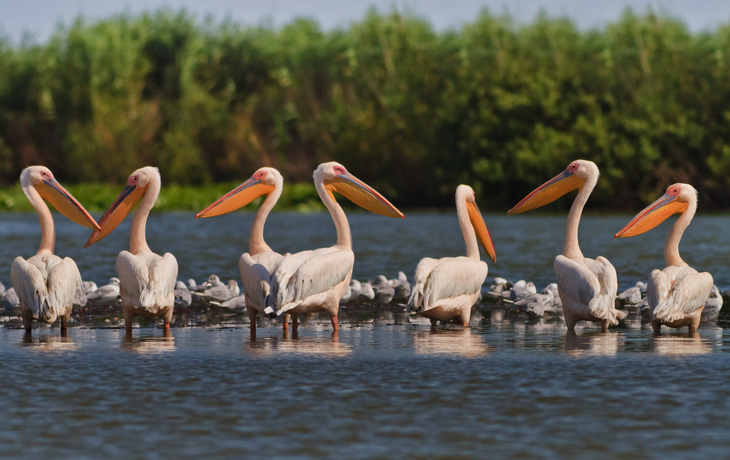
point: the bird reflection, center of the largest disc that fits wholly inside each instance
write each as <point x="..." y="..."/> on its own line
<point x="457" y="342"/>
<point x="679" y="344"/>
<point x="48" y="342"/>
<point x="591" y="343"/>
<point x="149" y="345"/>
<point x="313" y="346"/>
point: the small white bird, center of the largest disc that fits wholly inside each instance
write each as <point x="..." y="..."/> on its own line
<point x="11" y="302"/>
<point x="183" y="297"/>
<point x="106" y="294"/>
<point x="221" y="292"/>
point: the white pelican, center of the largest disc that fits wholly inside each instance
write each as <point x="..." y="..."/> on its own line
<point x="678" y="293"/>
<point x="311" y="281"/>
<point x="46" y="284"/>
<point x="147" y="280"/>
<point x="587" y="287"/>
<point x="258" y="264"/>
<point x="445" y="289"/>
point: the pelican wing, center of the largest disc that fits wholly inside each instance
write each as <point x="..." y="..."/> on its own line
<point x="658" y="286"/>
<point x="420" y="279"/>
<point x="687" y="295"/>
<point x="590" y="282"/>
<point x="64" y="281"/>
<point x="256" y="274"/>
<point x="30" y="285"/>
<point x="147" y="279"/>
<point x="315" y="272"/>
<point x="452" y="277"/>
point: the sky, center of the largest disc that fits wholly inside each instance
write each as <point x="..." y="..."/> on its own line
<point x="40" y="17"/>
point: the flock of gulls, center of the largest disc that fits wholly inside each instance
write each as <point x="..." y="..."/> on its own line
<point x="47" y="288"/>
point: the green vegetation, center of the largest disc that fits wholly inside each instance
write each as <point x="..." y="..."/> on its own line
<point x="411" y="111"/>
<point x="98" y="197"/>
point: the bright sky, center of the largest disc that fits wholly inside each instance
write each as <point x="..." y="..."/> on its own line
<point x="39" y="17"/>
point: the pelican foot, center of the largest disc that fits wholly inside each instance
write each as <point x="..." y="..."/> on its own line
<point x="335" y="323"/>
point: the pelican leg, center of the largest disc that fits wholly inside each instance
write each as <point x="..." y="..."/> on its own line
<point x="294" y="323"/>
<point x="434" y="322"/>
<point x="335" y="323"/>
<point x="252" y="320"/>
<point x="604" y="325"/>
<point x="287" y="317"/>
<point x="128" y="317"/>
<point x="28" y="323"/>
<point x="656" y="326"/>
<point x="695" y="323"/>
<point x="569" y="320"/>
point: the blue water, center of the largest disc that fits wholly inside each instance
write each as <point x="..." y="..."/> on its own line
<point x="386" y="386"/>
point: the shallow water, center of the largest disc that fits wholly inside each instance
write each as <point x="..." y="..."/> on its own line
<point x="378" y="389"/>
<point x="386" y="391"/>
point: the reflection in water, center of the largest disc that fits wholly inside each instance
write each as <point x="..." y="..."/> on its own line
<point x="312" y="346"/>
<point x="457" y="342"/>
<point x="48" y="342"/>
<point x="591" y="343"/>
<point x="149" y="345"/>
<point x="678" y="344"/>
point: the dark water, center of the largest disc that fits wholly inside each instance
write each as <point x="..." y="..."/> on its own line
<point x="499" y="391"/>
<point x="526" y="245"/>
<point x="382" y="390"/>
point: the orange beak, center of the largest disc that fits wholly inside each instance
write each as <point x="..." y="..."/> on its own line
<point x="480" y="228"/>
<point x="549" y="192"/>
<point x="117" y="212"/>
<point x="652" y="215"/>
<point x="65" y="203"/>
<point x="361" y="194"/>
<point x="237" y="198"/>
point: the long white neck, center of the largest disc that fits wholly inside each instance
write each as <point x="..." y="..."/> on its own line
<point x="256" y="243"/>
<point x="137" y="238"/>
<point x="48" y="230"/>
<point x="571" y="249"/>
<point x="671" y="247"/>
<point x="467" y="230"/>
<point x="344" y="238"/>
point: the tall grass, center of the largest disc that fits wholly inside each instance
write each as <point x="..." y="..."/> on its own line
<point x="412" y="111"/>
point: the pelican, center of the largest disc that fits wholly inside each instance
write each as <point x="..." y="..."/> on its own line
<point x="311" y="281"/>
<point x="258" y="264"/>
<point x="445" y="289"/>
<point x="587" y="287"/>
<point x="678" y="293"/>
<point x="46" y="284"/>
<point x="147" y="280"/>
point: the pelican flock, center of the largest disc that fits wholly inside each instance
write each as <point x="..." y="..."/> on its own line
<point x="46" y="288"/>
<point x="677" y="294"/>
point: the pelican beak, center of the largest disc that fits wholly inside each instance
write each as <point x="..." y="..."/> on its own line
<point x="117" y="212"/>
<point x="480" y="228"/>
<point x="361" y="194"/>
<point x="652" y="215"/>
<point x="65" y="203"/>
<point x="549" y="192"/>
<point x="237" y="198"/>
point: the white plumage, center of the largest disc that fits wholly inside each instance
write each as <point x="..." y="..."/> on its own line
<point x="446" y="289"/>
<point x="46" y="284"/>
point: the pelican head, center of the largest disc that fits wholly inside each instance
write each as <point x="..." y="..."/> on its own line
<point x="466" y="194"/>
<point x="263" y="182"/>
<point x="335" y="178"/>
<point x="677" y="199"/>
<point x="574" y="177"/>
<point x="47" y="187"/>
<point x="137" y="185"/>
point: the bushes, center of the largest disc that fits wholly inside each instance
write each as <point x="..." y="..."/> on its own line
<point x="412" y="111"/>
